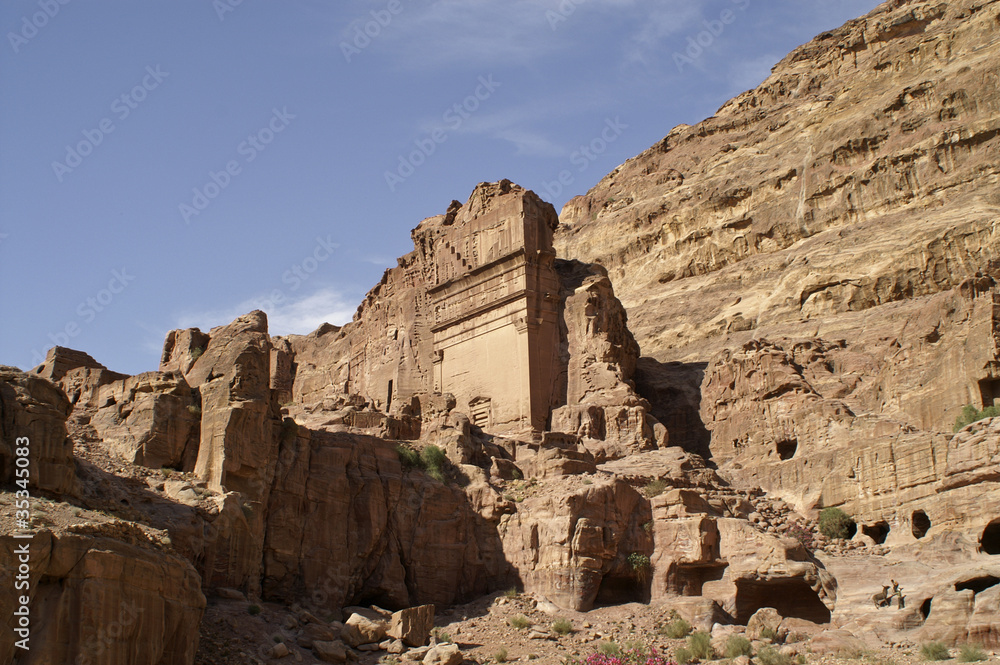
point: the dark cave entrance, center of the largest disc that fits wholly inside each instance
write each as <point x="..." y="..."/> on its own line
<point x="786" y="449"/>
<point x="921" y="524"/>
<point x="790" y="597"/>
<point x="977" y="584"/>
<point x="622" y="589"/>
<point x="989" y="391"/>
<point x="877" y="532"/>
<point x="925" y="609"/>
<point x="989" y="542"/>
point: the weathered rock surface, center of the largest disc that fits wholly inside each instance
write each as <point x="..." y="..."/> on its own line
<point x="412" y="625"/>
<point x="33" y="415"/>
<point x="142" y="605"/>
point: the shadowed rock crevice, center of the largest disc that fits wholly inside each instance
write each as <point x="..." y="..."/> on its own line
<point x="790" y="597"/>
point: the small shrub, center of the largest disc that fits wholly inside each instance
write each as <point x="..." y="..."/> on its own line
<point x="647" y="527"/>
<point x="768" y="633"/>
<point x="683" y="656"/>
<point x="609" y="649"/>
<point x="434" y="461"/>
<point x="738" y="645"/>
<point x="934" y="651"/>
<point x="253" y="610"/>
<point x="196" y="352"/>
<point x="768" y="655"/>
<point x="512" y="592"/>
<point x="194" y="409"/>
<point x="519" y="622"/>
<point x="441" y="636"/>
<point x="500" y="656"/>
<point x="278" y="638"/>
<point x="971" y="653"/>
<point x="516" y="474"/>
<point x="639" y="563"/>
<point x="801" y="534"/>
<point x="677" y="629"/>
<point x="408" y="457"/>
<point x="971" y="414"/>
<point x="655" y="488"/>
<point x="834" y="523"/>
<point x="700" y="644"/>
<point x="562" y="626"/>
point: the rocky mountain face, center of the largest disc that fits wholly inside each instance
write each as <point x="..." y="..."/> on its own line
<point x="646" y="400"/>
<point x="811" y="272"/>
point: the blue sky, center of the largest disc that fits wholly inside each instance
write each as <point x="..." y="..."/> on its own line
<point x="176" y="163"/>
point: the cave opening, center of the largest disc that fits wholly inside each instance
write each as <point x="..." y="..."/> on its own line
<point x="989" y="391"/>
<point x="621" y="589"/>
<point x="786" y="449"/>
<point x="877" y="532"/>
<point x="989" y="542"/>
<point x="977" y="584"/>
<point x="925" y="609"/>
<point x="792" y="598"/>
<point x="920" y="523"/>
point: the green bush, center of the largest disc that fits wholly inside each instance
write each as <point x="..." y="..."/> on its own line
<point x="737" y="645"/>
<point x="408" y="457"/>
<point x="683" y="656"/>
<point x="768" y="655"/>
<point x="971" y="414"/>
<point x="934" y="651"/>
<point x="441" y="636"/>
<point x="700" y="644"/>
<point x="196" y="352"/>
<point x="500" y="656"/>
<point x="767" y="633"/>
<point x="677" y="629"/>
<point x="434" y="461"/>
<point x="562" y="626"/>
<point x="253" y="610"/>
<point x="512" y="592"/>
<point x="194" y="409"/>
<point x="520" y="622"/>
<point x="655" y="488"/>
<point x="610" y="649"/>
<point x="639" y="563"/>
<point x="971" y="653"/>
<point x="835" y="523"/>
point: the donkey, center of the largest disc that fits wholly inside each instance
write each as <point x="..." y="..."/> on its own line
<point x="881" y="599"/>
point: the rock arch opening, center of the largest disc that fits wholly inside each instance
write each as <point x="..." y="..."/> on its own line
<point x="792" y="598"/>
<point x="920" y="523"/>
<point x="786" y="449"/>
<point x="925" y="609"/>
<point x="621" y="589"/>
<point x="977" y="584"/>
<point x="989" y="542"/>
<point x="877" y="532"/>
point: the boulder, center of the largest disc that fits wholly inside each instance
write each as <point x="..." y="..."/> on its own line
<point x="443" y="654"/>
<point x="765" y="620"/>
<point x="413" y="625"/>
<point x="359" y="630"/>
<point x="330" y="652"/>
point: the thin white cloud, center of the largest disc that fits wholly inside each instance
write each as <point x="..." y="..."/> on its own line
<point x="285" y="315"/>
